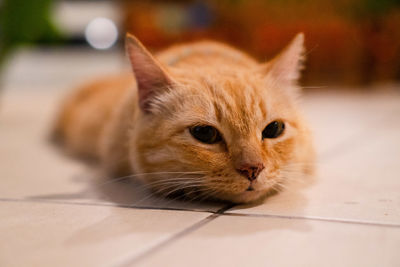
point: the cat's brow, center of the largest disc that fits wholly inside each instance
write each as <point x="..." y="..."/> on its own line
<point x="237" y="104"/>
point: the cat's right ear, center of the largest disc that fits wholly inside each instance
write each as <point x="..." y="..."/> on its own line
<point x="151" y="77"/>
<point x="286" y="66"/>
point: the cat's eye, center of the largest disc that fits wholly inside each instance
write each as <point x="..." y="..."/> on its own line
<point x="206" y="134"/>
<point x="273" y="130"/>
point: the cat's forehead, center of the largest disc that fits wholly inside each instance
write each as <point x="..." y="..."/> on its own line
<point x="240" y="101"/>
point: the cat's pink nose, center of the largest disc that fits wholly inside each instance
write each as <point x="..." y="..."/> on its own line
<point x="251" y="171"/>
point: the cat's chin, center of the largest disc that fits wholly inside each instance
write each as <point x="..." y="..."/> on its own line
<point x="247" y="197"/>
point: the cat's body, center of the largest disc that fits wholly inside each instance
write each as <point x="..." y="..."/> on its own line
<point x="157" y="123"/>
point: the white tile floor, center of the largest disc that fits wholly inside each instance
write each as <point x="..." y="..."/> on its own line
<point x="57" y="212"/>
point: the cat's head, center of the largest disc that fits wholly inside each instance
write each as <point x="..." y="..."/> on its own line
<point x="228" y="133"/>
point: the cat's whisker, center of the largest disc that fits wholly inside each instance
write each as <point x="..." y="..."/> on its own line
<point x="171" y="191"/>
<point x="177" y="181"/>
<point x="118" y="179"/>
<point x="206" y="194"/>
<point x="189" y="198"/>
<point x="158" y="191"/>
<point x="283" y="185"/>
<point x="310" y="50"/>
<point x="159" y="173"/>
<point x="182" y="187"/>
<point x="294" y="177"/>
<point x="148" y="196"/>
<point x="174" y="188"/>
<point x="315" y="87"/>
<point x="199" y="192"/>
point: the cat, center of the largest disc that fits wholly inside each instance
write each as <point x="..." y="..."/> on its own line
<point x="203" y="119"/>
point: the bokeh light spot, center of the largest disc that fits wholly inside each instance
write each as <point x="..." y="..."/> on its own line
<point x="101" y="33"/>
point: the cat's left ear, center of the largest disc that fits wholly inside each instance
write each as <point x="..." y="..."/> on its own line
<point x="151" y="77"/>
<point x="285" y="68"/>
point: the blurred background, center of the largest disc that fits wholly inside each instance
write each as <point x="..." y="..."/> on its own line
<point x="349" y="42"/>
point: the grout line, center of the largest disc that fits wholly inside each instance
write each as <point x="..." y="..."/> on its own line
<point x="219" y="212"/>
<point x="312" y="218"/>
<point x="126" y="206"/>
<point x="154" y="249"/>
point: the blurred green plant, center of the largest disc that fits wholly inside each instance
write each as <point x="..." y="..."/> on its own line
<point x="25" y="22"/>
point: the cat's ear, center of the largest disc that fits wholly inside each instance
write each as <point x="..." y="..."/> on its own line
<point x="150" y="76"/>
<point x="287" y="65"/>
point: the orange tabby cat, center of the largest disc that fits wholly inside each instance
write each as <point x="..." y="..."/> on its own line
<point x="202" y="119"/>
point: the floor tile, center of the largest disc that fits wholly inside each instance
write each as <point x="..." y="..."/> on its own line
<point x="250" y="241"/>
<point x="361" y="184"/>
<point x="49" y="234"/>
<point x="338" y="117"/>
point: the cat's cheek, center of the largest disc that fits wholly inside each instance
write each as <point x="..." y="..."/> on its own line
<point x="157" y="156"/>
<point x="134" y="159"/>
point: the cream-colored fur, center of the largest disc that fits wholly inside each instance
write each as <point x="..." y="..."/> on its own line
<point x="141" y="125"/>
